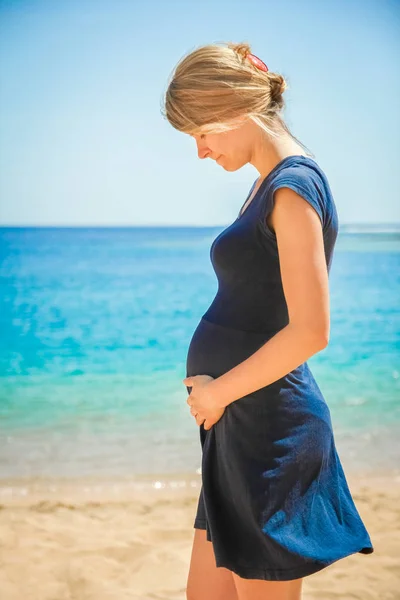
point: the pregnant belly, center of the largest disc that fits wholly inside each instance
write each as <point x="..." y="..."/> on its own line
<point x="215" y="349"/>
<point x="292" y="399"/>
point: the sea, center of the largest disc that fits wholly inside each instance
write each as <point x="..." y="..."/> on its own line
<point x="95" y="325"/>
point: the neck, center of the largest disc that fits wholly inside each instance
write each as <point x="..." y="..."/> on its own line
<point x="268" y="152"/>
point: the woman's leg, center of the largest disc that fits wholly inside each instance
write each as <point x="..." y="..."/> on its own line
<point x="206" y="581"/>
<point x="257" y="589"/>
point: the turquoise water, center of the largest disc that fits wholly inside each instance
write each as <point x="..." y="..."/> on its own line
<point x="95" y="325"/>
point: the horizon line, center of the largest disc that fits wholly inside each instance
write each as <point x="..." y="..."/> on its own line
<point x="358" y="224"/>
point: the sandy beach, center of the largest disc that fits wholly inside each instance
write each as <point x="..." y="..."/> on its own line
<point x="131" y="539"/>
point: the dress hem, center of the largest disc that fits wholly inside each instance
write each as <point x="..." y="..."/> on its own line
<point x="279" y="574"/>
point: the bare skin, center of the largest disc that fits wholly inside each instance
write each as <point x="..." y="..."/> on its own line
<point x="206" y="581"/>
<point x="255" y="589"/>
<point x="247" y="144"/>
<point x="305" y="281"/>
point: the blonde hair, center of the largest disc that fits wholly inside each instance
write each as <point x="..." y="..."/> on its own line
<point x="215" y="86"/>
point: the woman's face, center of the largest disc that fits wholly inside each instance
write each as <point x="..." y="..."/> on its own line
<point x="230" y="149"/>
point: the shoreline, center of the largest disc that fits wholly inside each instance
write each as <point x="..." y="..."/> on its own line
<point x="25" y="490"/>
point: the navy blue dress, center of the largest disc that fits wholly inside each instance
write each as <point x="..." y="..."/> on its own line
<point x="274" y="498"/>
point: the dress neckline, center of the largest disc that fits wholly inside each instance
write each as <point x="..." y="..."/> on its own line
<point x="267" y="179"/>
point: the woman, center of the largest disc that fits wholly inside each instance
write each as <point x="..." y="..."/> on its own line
<point x="274" y="501"/>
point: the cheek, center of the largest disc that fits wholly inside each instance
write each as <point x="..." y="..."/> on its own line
<point x="220" y="144"/>
<point x="229" y="145"/>
<point x="224" y="148"/>
<point x="215" y="146"/>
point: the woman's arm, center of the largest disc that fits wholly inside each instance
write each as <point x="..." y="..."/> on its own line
<point x="298" y="231"/>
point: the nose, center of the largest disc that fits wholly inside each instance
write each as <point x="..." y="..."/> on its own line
<point x="202" y="150"/>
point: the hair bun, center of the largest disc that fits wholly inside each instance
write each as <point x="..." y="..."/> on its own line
<point x="278" y="85"/>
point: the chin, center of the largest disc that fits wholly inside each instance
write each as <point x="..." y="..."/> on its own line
<point x="230" y="165"/>
<point x="222" y="164"/>
<point x="227" y="165"/>
<point x="230" y="168"/>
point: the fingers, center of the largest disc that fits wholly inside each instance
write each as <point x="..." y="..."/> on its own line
<point x="194" y="412"/>
<point x="197" y="416"/>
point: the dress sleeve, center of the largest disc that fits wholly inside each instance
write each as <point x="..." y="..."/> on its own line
<point x="304" y="183"/>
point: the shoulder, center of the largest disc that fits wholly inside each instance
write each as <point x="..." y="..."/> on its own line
<point x="298" y="183"/>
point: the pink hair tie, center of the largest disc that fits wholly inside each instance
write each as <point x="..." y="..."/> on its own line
<point x="257" y="62"/>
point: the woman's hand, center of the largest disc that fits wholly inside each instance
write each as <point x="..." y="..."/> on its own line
<point x="203" y="404"/>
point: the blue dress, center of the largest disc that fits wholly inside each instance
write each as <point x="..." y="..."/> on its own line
<point x="274" y="498"/>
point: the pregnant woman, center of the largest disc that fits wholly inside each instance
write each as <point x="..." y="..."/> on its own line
<point x="274" y="504"/>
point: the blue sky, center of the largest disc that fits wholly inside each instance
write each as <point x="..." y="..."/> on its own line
<point x="83" y="141"/>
